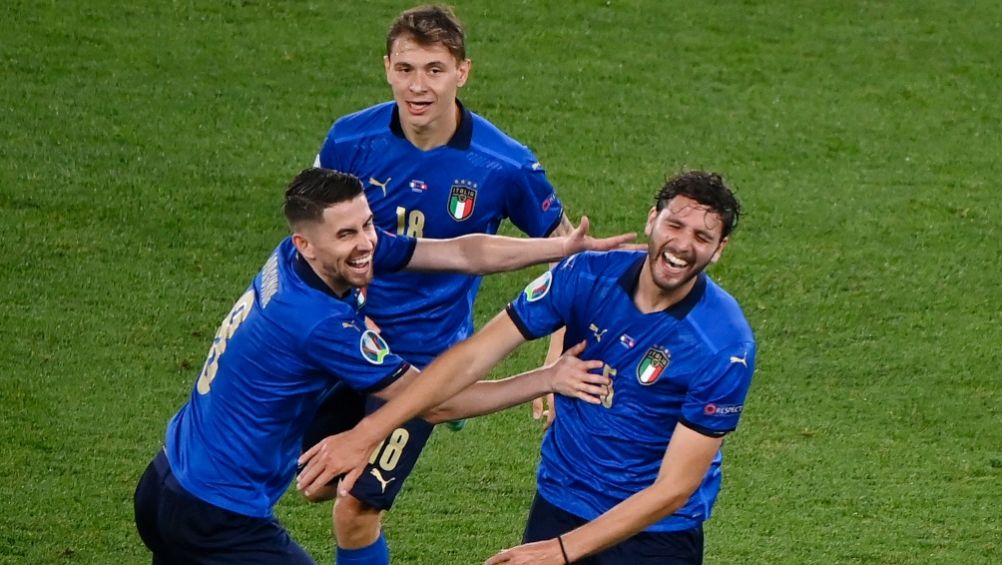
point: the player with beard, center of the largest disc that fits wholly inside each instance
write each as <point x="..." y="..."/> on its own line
<point x="230" y="452"/>
<point x="630" y="480"/>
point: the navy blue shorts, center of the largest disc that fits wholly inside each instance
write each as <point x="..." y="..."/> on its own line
<point x="179" y="528"/>
<point x="546" y="521"/>
<point x="393" y="460"/>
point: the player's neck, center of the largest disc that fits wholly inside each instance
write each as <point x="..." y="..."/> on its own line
<point x="339" y="286"/>
<point x="435" y="134"/>
<point x="649" y="297"/>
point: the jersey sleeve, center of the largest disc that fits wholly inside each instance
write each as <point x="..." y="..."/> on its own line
<point x="716" y="398"/>
<point x="532" y="203"/>
<point x="393" y="252"/>
<point x="357" y="356"/>
<point x="545" y="304"/>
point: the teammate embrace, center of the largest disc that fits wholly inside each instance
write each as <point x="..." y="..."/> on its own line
<point x="390" y="234"/>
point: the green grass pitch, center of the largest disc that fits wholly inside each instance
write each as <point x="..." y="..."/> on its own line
<point x="144" y="147"/>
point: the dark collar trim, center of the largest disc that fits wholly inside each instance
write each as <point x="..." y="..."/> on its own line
<point x="311" y="278"/>
<point x="631" y="278"/>
<point x="460" y="140"/>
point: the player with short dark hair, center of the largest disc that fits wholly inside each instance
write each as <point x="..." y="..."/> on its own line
<point x="230" y="452"/>
<point x="433" y="168"/>
<point x="632" y="479"/>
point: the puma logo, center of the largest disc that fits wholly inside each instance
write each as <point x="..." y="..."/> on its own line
<point x="382" y="185"/>
<point x="742" y="360"/>
<point x="379" y="477"/>
<point x="598" y="334"/>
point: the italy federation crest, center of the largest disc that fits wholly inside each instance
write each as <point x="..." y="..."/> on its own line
<point x="461" y="201"/>
<point x="654" y="363"/>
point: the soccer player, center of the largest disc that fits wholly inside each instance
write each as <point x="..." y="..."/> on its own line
<point x="433" y="169"/>
<point x="630" y="480"/>
<point x="230" y="451"/>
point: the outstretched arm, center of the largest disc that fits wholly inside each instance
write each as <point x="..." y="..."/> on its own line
<point x="450" y="373"/>
<point x="685" y="463"/>
<point x="568" y="376"/>
<point x="481" y="254"/>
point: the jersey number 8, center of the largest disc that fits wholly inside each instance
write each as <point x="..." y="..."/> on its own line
<point x="230" y="324"/>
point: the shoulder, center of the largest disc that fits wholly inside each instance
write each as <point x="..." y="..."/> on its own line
<point x="292" y="303"/>
<point x="720" y="318"/>
<point x="371" y="121"/>
<point x="490" y="141"/>
<point x="599" y="266"/>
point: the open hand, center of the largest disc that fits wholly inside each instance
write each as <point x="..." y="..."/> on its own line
<point x="332" y="456"/>
<point x="579" y="240"/>
<point x="570" y="376"/>
<point x="537" y="553"/>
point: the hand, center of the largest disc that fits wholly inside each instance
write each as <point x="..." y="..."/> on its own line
<point x="541" y="552"/>
<point x="570" y="376"/>
<point x="544" y="408"/>
<point x="579" y="240"/>
<point x="346" y="452"/>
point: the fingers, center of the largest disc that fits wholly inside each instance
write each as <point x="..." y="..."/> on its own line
<point x="313" y="477"/>
<point x="501" y="557"/>
<point x="310" y="453"/>
<point x="306" y="476"/>
<point x="344" y="487"/>
<point x="551" y="414"/>
<point x="617" y="241"/>
<point x="576" y="349"/>
<point x="537" y="408"/>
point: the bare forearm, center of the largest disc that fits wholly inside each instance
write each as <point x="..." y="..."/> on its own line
<point x="453" y="371"/>
<point x="624" y="520"/>
<point x="485" y="254"/>
<point x="485" y="397"/>
<point x="441" y="380"/>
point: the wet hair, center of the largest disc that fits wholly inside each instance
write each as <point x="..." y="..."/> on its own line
<point x="709" y="189"/>
<point x="314" y="190"/>
<point x="428" y="25"/>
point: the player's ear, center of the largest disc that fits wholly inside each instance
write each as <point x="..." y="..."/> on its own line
<point x="386" y="66"/>
<point x="651" y="216"/>
<point x="303" y="245"/>
<point x="720" y="249"/>
<point x="463" y="71"/>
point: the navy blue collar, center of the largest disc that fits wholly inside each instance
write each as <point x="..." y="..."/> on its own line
<point x="679" y="310"/>
<point x="461" y="139"/>
<point x="311" y="278"/>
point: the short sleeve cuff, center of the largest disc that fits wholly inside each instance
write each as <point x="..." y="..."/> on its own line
<point x="517" y="320"/>
<point x="704" y="430"/>
<point x="388" y="380"/>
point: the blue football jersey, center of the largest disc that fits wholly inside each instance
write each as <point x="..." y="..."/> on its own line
<point x="691" y="363"/>
<point x="235" y="442"/>
<point x="469" y="185"/>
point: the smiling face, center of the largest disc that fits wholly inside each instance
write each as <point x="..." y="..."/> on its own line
<point x="685" y="238"/>
<point x="339" y="247"/>
<point x="425" y="80"/>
